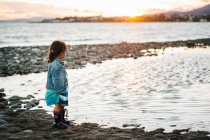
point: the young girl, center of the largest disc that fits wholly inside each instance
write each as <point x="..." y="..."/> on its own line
<point x="57" y="83"/>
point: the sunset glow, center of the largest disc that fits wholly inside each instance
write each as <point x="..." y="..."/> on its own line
<point x="11" y="9"/>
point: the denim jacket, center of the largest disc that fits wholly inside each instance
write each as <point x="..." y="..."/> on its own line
<point x="57" y="76"/>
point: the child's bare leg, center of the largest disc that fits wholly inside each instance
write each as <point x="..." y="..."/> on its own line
<point x="57" y="107"/>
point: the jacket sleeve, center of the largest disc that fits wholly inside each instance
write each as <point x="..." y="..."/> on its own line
<point x="56" y="78"/>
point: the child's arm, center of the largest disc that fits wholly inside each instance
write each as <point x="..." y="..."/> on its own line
<point x="56" y="78"/>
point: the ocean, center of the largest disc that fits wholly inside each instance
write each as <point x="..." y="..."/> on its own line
<point x="32" y="34"/>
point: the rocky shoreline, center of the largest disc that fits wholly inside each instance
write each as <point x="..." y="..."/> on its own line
<point x="19" y="122"/>
<point x="32" y="59"/>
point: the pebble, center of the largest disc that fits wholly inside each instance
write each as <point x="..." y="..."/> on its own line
<point x="159" y="137"/>
<point x="28" y="106"/>
<point x="14" y="129"/>
<point x="2" y="94"/>
<point x="1" y="89"/>
<point x="35" y="101"/>
<point x="14" y="98"/>
<point x="131" y="125"/>
<point x="2" y="105"/>
<point x="10" y="112"/>
<point x="28" y="131"/>
<point x="29" y="97"/>
<point x="17" y="105"/>
<point x="5" y="117"/>
<point x="2" y="122"/>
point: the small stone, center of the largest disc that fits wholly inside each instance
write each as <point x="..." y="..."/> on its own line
<point x="5" y="117"/>
<point x="15" y="102"/>
<point x="159" y="137"/>
<point x="2" y="99"/>
<point x="2" y="105"/>
<point x="13" y="138"/>
<point x="2" y="94"/>
<point x="90" y="125"/>
<point x="2" y="122"/>
<point x="14" y="98"/>
<point x="29" y="97"/>
<point x="17" y="105"/>
<point x="35" y="93"/>
<point x="10" y="112"/>
<point x="28" y="106"/>
<point x="1" y="89"/>
<point x="14" y="129"/>
<point x="28" y="131"/>
<point x="35" y="101"/>
<point x="131" y="125"/>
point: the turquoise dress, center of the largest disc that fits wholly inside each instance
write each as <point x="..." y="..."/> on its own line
<point x="53" y="97"/>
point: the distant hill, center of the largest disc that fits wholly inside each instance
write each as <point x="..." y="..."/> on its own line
<point x="205" y="10"/>
<point x="200" y="11"/>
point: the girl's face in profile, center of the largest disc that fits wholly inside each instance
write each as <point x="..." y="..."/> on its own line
<point x="62" y="55"/>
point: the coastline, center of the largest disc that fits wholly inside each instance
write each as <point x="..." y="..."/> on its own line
<point x="32" y="59"/>
<point x="36" y="124"/>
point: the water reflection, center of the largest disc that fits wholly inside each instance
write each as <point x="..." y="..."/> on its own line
<point x="170" y="90"/>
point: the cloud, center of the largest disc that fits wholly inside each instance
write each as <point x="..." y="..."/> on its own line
<point x="22" y="10"/>
<point x="205" y="0"/>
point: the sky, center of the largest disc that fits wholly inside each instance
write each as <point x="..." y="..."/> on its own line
<point x="23" y="9"/>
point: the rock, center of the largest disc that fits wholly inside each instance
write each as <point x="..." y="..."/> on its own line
<point x="28" y="131"/>
<point x="159" y="137"/>
<point x="15" y="102"/>
<point x="2" y="99"/>
<point x="131" y="125"/>
<point x="2" y="105"/>
<point x="13" y="138"/>
<point x="10" y="112"/>
<point x="37" y="51"/>
<point x="29" y="105"/>
<point x="159" y="130"/>
<point x="28" y="97"/>
<point x="14" y="98"/>
<point x="91" y="125"/>
<point x="5" y="117"/>
<point x="35" y="101"/>
<point x="138" y="130"/>
<point x="35" y="93"/>
<point x="1" y="89"/>
<point x="14" y="129"/>
<point x="17" y="105"/>
<point x="2" y="94"/>
<point x="5" y="102"/>
<point x="2" y="122"/>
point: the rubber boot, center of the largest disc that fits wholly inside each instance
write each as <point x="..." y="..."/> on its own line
<point x="63" y="117"/>
<point x="57" y="121"/>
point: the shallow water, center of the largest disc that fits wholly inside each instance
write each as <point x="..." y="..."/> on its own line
<point x="170" y="90"/>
